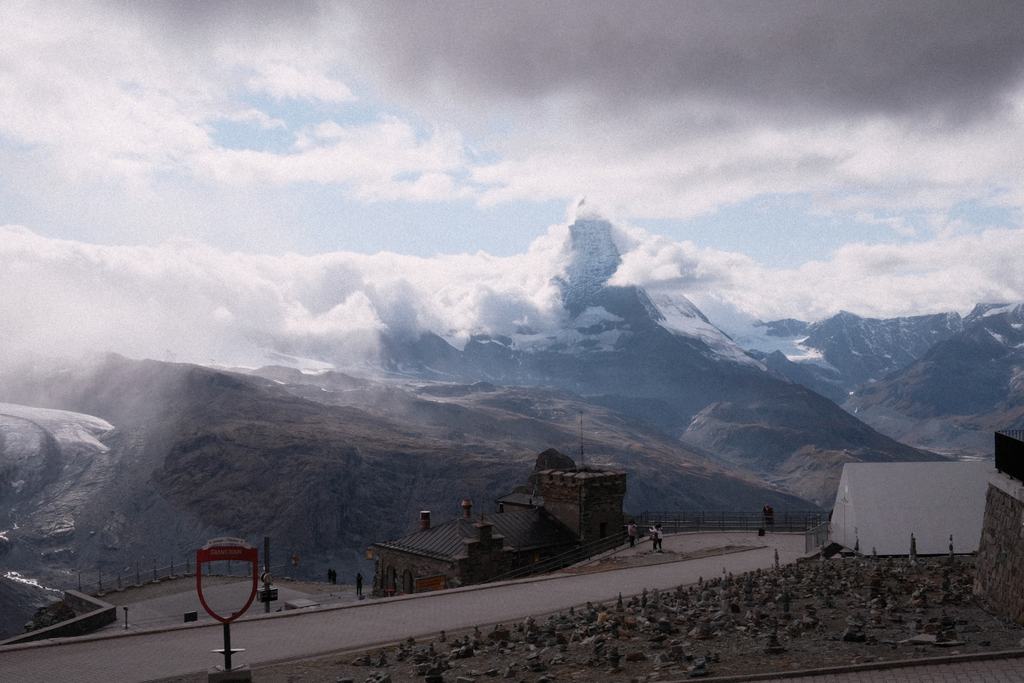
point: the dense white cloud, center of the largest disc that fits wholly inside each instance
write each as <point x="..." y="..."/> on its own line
<point x="191" y="302"/>
<point x="951" y="272"/>
<point x="186" y="301"/>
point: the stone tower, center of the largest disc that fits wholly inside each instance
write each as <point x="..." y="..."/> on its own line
<point x="588" y="501"/>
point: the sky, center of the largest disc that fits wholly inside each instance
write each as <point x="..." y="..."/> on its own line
<point x="201" y="180"/>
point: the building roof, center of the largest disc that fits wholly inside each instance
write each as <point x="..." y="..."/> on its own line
<point x="879" y="505"/>
<point x="522" y="499"/>
<point x="524" y="530"/>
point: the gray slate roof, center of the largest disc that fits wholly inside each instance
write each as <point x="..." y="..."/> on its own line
<point x="524" y="530"/>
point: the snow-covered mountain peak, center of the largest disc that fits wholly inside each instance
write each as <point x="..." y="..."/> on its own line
<point x="982" y="311"/>
<point x="599" y="314"/>
<point x="681" y="317"/>
<point x="594" y="258"/>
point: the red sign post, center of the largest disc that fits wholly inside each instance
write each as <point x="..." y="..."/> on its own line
<point x="218" y="550"/>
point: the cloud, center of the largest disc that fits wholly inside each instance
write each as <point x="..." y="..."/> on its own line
<point x="266" y="127"/>
<point x="96" y="93"/>
<point x="186" y="301"/>
<point x="671" y="110"/>
<point x="949" y="272"/>
<point x="287" y="81"/>
<point x="869" y="57"/>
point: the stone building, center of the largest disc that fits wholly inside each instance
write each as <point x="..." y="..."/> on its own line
<point x="1000" y="563"/>
<point x="560" y="507"/>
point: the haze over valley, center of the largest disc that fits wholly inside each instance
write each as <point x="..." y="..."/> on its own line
<point x="306" y="269"/>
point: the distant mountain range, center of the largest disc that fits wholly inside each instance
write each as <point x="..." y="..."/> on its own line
<point x="939" y="382"/>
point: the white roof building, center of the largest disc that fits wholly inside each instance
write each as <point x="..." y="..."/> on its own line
<point x="882" y="504"/>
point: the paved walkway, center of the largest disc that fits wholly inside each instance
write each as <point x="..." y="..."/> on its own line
<point x="116" y="655"/>
<point x="967" y="670"/>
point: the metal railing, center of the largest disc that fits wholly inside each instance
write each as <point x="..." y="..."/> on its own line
<point x="702" y="520"/>
<point x="676" y="522"/>
<point x="816" y="538"/>
<point x="571" y="557"/>
<point x="1009" y="451"/>
<point x="99" y="581"/>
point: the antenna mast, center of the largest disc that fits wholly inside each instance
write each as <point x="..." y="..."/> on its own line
<point x="582" y="462"/>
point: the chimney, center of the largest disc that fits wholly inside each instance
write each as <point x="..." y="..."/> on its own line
<point x="424" y="520"/>
<point x="467" y="508"/>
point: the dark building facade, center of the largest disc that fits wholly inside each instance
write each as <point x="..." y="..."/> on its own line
<point x="557" y="510"/>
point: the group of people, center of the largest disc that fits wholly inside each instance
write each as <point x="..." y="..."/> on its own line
<point x="332" y="578"/>
<point x="657" y="535"/>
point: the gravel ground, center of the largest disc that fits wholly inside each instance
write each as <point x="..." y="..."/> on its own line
<point x="810" y="615"/>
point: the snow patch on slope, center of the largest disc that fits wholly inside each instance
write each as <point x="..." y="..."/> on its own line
<point x="69" y="429"/>
<point x="684" y="319"/>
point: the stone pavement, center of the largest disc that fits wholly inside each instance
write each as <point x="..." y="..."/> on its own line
<point x="116" y="655"/>
<point x="967" y="669"/>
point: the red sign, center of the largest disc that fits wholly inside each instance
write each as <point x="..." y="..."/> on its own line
<point x="218" y="550"/>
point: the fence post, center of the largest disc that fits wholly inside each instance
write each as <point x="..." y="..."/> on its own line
<point x="101" y="580"/>
<point x="154" y="569"/>
<point x="138" y="575"/>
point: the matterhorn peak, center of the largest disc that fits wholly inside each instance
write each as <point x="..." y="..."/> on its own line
<point x="593" y="259"/>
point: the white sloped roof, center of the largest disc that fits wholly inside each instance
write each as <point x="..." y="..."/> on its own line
<point x="881" y="504"/>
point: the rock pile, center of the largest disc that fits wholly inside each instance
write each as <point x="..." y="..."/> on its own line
<point x="808" y="615"/>
<point x="53" y="613"/>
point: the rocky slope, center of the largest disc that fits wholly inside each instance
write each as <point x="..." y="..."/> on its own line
<point x="775" y="438"/>
<point x="837" y="355"/>
<point x="18" y="602"/>
<point x="961" y="391"/>
<point x="180" y="454"/>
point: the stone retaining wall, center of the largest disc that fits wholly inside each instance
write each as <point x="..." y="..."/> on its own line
<point x="999" y="581"/>
<point x="93" y="614"/>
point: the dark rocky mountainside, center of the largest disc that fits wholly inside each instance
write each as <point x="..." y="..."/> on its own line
<point x="774" y="437"/>
<point x="850" y="351"/>
<point x="867" y="349"/>
<point x="665" y="363"/>
<point x="196" y="453"/>
<point x="962" y="390"/>
<point x="18" y="602"/>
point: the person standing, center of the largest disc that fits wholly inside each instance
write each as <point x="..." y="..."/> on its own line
<point x="656" y="537"/>
<point x="631" y="531"/>
<point x="359" y="584"/>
